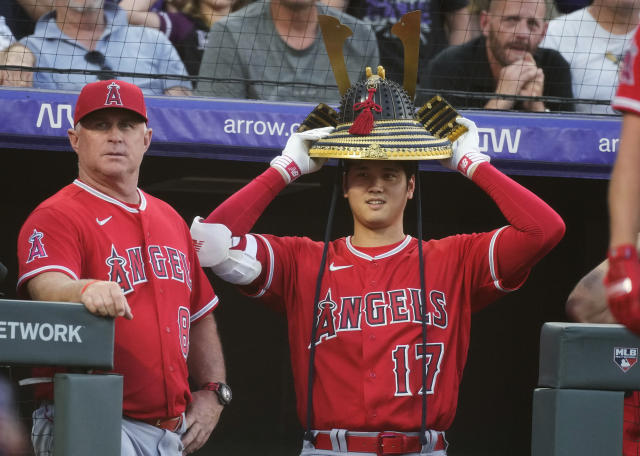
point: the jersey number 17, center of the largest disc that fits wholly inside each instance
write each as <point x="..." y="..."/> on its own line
<point x="401" y="355"/>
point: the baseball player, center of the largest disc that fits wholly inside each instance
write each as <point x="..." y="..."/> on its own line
<point x="623" y="277"/>
<point x="368" y="346"/>
<point x="105" y="243"/>
<point x="587" y="303"/>
<point x="623" y="274"/>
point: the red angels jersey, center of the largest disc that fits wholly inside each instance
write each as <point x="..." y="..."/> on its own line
<point x="628" y="95"/>
<point x="368" y="365"/>
<point x="147" y="249"/>
<point x="631" y="428"/>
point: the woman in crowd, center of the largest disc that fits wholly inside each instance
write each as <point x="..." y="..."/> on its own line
<point x="185" y="22"/>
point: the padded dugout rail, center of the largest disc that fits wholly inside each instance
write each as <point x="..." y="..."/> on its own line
<point x="54" y="334"/>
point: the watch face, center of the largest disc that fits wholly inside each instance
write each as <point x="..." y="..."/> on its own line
<point x="224" y="393"/>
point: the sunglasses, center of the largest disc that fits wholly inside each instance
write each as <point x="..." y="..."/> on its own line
<point x="98" y="58"/>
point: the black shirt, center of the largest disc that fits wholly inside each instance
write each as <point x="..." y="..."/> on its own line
<point x="466" y="68"/>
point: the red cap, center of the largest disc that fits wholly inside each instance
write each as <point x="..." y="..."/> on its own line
<point x="109" y="94"/>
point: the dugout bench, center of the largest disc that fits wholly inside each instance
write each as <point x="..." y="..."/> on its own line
<point x="88" y="408"/>
<point x="584" y="370"/>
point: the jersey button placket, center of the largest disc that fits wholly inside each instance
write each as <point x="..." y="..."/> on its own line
<point x="165" y="336"/>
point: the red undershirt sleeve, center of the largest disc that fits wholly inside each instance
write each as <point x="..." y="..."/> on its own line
<point x="242" y="209"/>
<point x="535" y="227"/>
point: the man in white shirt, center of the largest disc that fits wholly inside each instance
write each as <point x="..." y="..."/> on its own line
<point x="594" y="40"/>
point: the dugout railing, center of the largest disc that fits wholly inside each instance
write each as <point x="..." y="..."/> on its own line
<point x="584" y="372"/>
<point x="88" y="407"/>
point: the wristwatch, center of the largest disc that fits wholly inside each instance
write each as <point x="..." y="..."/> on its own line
<point x="221" y="389"/>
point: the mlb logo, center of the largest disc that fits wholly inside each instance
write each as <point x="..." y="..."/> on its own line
<point x="625" y="358"/>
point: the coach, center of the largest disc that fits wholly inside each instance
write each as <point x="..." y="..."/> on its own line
<point x="105" y="243"/>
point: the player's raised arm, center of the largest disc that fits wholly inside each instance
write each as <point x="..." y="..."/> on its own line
<point x="237" y="215"/>
<point x="241" y="211"/>
<point x="587" y="302"/>
<point x="535" y="227"/>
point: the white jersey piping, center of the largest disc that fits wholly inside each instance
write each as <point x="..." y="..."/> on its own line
<point x="271" y="267"/>
<point x="205" y="309"/>
<point x="107" y="198"/>
<point x="492" y="263"/>
<point x="628" y="103"/>
<point x="52" y="267"/>
<point x="391" y="252"/>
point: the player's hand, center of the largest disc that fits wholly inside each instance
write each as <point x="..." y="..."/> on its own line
<point x="211" y="241"/>
<point x="294" y="160"/>
<point x="106" y="299"/>
<point x="623" y="286"/>
<point x="466" y="154"/>
<point x="202" y="416"/>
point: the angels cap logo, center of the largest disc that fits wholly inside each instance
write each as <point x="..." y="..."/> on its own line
<point x="113" y="96"/>
<point x="625" y="357"/>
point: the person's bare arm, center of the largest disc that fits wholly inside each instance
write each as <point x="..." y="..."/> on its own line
<point x="17" y="55"/>
<point x="587" y="303"/>
<point x="138" y="13"/>
<point x="100" y="297"/>
<point x="178" y="91"/>
<point x="206" y="364"/>
<point x="458" y="23"/>
<point x="36" y="8"/>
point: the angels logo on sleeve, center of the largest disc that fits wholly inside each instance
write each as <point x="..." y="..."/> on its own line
<point x="626" y="73"/>
<point x="37" y="246"/>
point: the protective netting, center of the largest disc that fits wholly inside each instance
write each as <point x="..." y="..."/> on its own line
<point x="531" y="55"/>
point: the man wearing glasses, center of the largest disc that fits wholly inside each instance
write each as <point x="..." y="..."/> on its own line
<point x="89" y="40"/>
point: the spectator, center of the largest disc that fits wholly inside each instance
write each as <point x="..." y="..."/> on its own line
<point x="185" y="23"/>
<point x="587" y="303"/>
<point x="272" y="50"/>
<point x="96" y="36"/>
<point x="506" y="60"/>
<point x="21" y="15"/>
<point x="475" y="8"/>
<point x="593" y="41"/>
<point x="443" y="23"/>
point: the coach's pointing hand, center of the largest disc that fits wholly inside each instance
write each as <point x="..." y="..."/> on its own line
<point x="105" y="298"/>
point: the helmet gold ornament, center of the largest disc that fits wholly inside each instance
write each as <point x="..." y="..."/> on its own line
<point x="377" y="119"/>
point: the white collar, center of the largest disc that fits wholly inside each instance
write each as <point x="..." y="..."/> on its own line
<point x="389" y="253"/>
<point x="109" y="199"/>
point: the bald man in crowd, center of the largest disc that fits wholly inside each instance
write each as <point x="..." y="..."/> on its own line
<point x="506" y="61"/>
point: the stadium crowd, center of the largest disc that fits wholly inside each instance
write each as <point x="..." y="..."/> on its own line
<point x="487" y="53"/>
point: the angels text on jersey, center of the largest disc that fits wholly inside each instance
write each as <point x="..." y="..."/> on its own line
<point x="381" y="308"/>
